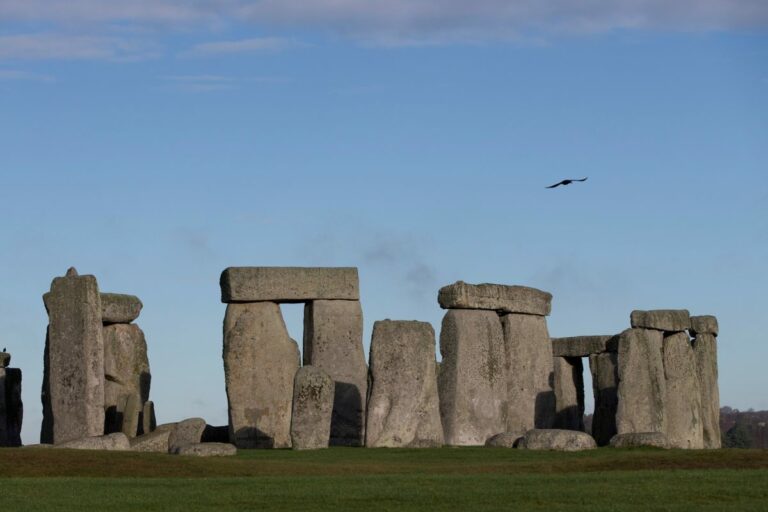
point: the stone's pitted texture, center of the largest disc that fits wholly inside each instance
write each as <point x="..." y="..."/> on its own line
<point x="5" y="359"/>
<point x="186" y="432"/>
<point x="640" y="439"/>
<point x="11" y="407"/>
<point x="495" y="297"/>
<point x="642" y="386"/>
<point x="569" y="393"/>
<point x="584" y="346"/>
<point x="313" y="392"/>
<point x="117" y="308"/>
<point x="289" y="284"/>
<point x="605" y="387"/>
<point x="153" y="442"/>
<point x="670" y="320"/>
<point x="705" y="349"/>
<point x="704" y="324"/>
<point x="260" y="361"/>
<point x="73" y="384"/>
<point x="115" y="441"/>
<point x="504" y="440"/>
<point x="208" y="450"/>
<point x="555" y="439"/>
<point x="333" y="342"/>
<point x="148" y="421"/>
<point x="472" y="382"/>
<point x="529" y="373"/>
<point x="683" y="398"/>
<point x="403" y="408"/>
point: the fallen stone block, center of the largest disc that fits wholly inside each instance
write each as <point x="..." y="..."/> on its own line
<point x="705" y="349"/>
<point x="683" y="398"/>
<point x="185" y="433"/>
<point x="704" y="324"/>
<point x="115" y="441"/>
<point x="640" y="439"/>
<point x="584" y="346"/>
<point x="669" y="320"/>
<point x="207" y="450"/>
<point x="504" y="440"/>
<point x="605" y="387"/>
<point x="313" y="392"/>
<point x="569" y="393"/>
<point x="558" y="440"/>
<point x="642" y="386"/>
<point x="289" y="284"/>
<point x="495" y="297"/>
<point x="156" y="441"/>
<point x="117" y="308"/>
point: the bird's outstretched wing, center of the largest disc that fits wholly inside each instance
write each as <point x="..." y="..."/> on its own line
<point x="582" y="179"/>
<point x="556" y="185"/>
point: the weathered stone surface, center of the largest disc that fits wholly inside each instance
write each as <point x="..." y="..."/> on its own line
<point x="5" y="359"/>
<point x="260" y="361"/>
<point x="148" y="420"/>
<point x="153" y="442"/>
<point x="313" y="391"/>
<point x="670" y="320"/>
<point x="333" y="342"/>
<point x="529" y="373"/>
<point x="472" y="382"/>
<point x="117" y="308"/>
<point x="704" y="324"/>
<point x="683" y="398"/>
<point x="495" y="297"/>
<point x="115" y="441"/>
<point x="584" y="346"/>
<point x="605" y="387"/>
<point x="289" y="284"/>
<point x="11" y="407"/>
<point x="208" y="450"/>
<point x="558" y="440"/>
<point x="186" y="432"/>
<point x="640" y="439"/>
<point x="705" y="349"/>
<point x="569" y="393"/>
<point x="642" y="386"/>
<point x="504" y="440"/>
<point x="403" y="409"/>
<point x="73" y="382"/>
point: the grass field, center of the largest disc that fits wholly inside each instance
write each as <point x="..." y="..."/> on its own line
<point x="398" y="480"/>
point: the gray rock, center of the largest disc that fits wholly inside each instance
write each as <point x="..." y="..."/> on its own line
<point x="187" y="432"/>
<point x="260" y="361"/>
<point x="115" y="441"/>
<point x="11" y="407"/>
<point x="117" y="308"/>
<point x="529" y="373"/>
<point x="313" y="393"/>
<point x="208" y="450"/>
<point x="569" y="393"/>
<point x="683" y="398"/>
<point x="504" y="440"/>
<point x="472" y="383"/>
<point x="403" y="408"/>
<point x="558" y="440"/>
<point x="148" y="420"/>
<point x="333" y="342"/>
<point x="495" y="297"/>
<point x="156" y="441"/>
<point x="642" y="386"/>
<point x="5" y="359"/>
<point x="605" y="384"/>
<point x="640" y="439"/>
<point x="289" y="284"/>
<point x="704" y="324"/>
<point x="670" y="320"/>
<point x="584" y="346"/>
<point x="73" y="381"/>
<point x="705" y="349"/>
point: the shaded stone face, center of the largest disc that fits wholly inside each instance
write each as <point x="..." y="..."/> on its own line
<point x="569" y="393"/>
<point x="642" y="386"/>
<point x="118" y="308"/>
<point x="472" y="382"/>
<point x="558" y="440"/>
<point x="5" y="359"/>
<point x="495" y="297"/>
<point x="683" y="402"/>
<point x="505" y="440"/>
<point x="313" y="392"/>
<point x="260" y="361"/>
<point x="584" y="346"/>
<point x="705" y="349"/>
<point x="404" y="408"/>
<point x="605" y="384"/>
<point x="289" y="284"/>
<point x="11" y="407"/>
<point x="670" y="320"/>
<point x="705" y="324"/>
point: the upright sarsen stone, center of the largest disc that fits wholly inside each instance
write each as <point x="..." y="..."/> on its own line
<point x="705" y="349"/>
<point x="260" y="361"/>
<point x="605" y="387"/>
<point x="569" y="393"/>
<point x="683" y="398"/>
<point x="11" y="407"/>
<point x="642" y="386"/>
<point x="312" y="409"/>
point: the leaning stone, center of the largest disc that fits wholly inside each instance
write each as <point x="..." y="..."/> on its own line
<point x="642" y="387"/>
<point x="313" y="393"/>
<point x="403" y="408"/>
<point x="584" y="346"/>
<point x="333" y="342"/>
<point x="11" y="407"/>
<point x="187" y="432"/>
<point x="705" y="324"/>
<point x="117" y="308"/>
<point x="289" y="284"/>
<point x="260" y="361"/>
<point x="670" y="320"/>
<point x="558" y="440"/>
<point x="156" y="441"/>
<point x="605" y="382"/>
<point x="5" y="359"/>
<point x="495" y="297"/>
<point x="208" y="450"/>
<point x="705" y="349"/>
<point x="472" y="384"/>
<point x="569" y="393"/>
<point x="640" y="439"/>
<point x="504" y="440"/>
<point x="116" y="441"/>
<point x="683" y="398"/>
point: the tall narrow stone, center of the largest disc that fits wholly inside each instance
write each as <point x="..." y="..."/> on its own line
<point x="605" y="384"/>
<point x="333" y="342"/>
<point x="642" y="387"/>
<point x="403" y="409"/>
<point x="569" y="393"/>
<point x="683" y="402"/>
<point x="705" y="348"/>
<point x="11" y="407"/>
<point x="529" y="373"/>
<point x="260" y="361"/>
<point x="128" y="378"/>
<point x="472" y="382"/>
<point x="312" y="409"/>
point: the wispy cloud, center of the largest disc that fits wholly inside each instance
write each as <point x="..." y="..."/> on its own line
<point x="10" y="75"/>
<point x="201" y="83"/>
<point x="45" y="46"/>
<point x="253" y="45"/>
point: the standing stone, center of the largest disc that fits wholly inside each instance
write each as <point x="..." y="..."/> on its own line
<point x="403" y="409"/>
<point x="529" y="373"/>
<point x="73" y="392"/>
<point x="128" y="378"/>
<point x="260" y="361"/>
<point x="312" y="409"/>
<point x="472" y="383"/>
<point x="642" y="387"/>
<point x="569" y="393"/>
<point x="148" y="419"/>
<point x="605" y="387"/>
<point x="683" y="403"/>
<point x="705" y="349"/>
<point x="11" y="407"/>
<point x="333" y="342"/>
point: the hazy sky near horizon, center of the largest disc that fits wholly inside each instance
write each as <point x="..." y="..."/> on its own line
<point x="153" y="144"/>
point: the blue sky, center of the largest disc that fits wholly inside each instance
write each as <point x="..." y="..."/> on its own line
<point x="153" y="144"/>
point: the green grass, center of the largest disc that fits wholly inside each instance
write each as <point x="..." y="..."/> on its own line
<point x="398" y="480"/>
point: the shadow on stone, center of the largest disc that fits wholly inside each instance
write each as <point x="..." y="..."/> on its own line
<point x="347" y="418"/>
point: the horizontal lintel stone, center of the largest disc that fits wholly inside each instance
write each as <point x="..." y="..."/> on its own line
<point x="705" y="324"/>
<point x="583" y="346"/>
<point x="289" y="284"/>
<point x="117" y="308"/>
<point x="495" y="297"/>
<point x="669" y="320"/>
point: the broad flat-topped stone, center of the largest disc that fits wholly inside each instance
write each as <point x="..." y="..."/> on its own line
<point x="704" y="324"/>
<point x="289" y="284"/>
<point x="117" y="308"/>
<point x="670" y="320"/>
<point x="556" y="439"/>
<point x="584" y="346"/>
<point x="495" y="297"/>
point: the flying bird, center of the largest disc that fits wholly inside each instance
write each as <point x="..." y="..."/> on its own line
<point x="565" y="182"/>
